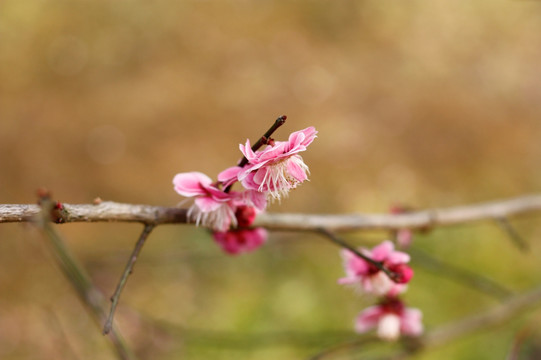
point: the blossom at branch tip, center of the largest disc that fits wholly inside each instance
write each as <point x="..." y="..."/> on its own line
<point x="274" y="170"/>
<point x="212" y="207"/>
<point x="238" y="241"/>
<point x="391" y="318"/>
<point x="369" y="278"/>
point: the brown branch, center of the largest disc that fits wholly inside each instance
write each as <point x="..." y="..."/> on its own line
<point x="111" y="211"/>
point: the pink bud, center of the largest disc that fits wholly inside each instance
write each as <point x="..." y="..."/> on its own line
<point x="403" y="273"/>
<point x="245" y="215"/>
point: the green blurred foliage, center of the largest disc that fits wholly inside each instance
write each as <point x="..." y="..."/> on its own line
<point x="425" y="103"/>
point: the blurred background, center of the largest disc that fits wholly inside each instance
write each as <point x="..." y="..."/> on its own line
<point x="423" y="103"/>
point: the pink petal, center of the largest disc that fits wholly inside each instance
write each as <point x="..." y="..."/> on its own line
<point x="207" y="204"/>
<point x="249" y="183"/>
<point x="295" y="140"/>
<point x="412" y="322"/>
<point x="257" y="199"/>
<point x="247" y="151"/>
<point x="397" y="289"/>
<point x="380" y="252"/>
<point x="220" y="195"/>
<point x="191" y="183"/>
<point x="260" y="175"/>
<point x="296" y="170"/>
<point x="237" y="241"/>
<point x="227" y="242"/>
<point x="368" y="318"/>
<point x="274" y="152"/>
<point x="309" y="135"/>
<point x="229" y="175"/>
<point x="254" y="238"/>
<point x="398" y="257"/>
<point x="346" y="281"/>
<point x="354" y="266"/>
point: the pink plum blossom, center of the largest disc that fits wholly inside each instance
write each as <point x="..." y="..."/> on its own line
<point x="276" y="169"/>
<point x="369" y="277"/>
<point x="240" y="240"/>
<point x="212" y="207"/>
<point x="391" y="318"/>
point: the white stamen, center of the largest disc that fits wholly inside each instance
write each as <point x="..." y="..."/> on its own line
<point x="278" y="181"/>
<point x="219" y="219"/>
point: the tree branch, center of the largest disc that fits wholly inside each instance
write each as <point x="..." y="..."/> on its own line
<point x="111" y="211"/>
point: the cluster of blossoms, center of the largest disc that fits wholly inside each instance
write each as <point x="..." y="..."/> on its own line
<point x="265" y="174"/>
<point x="389" y="316"/>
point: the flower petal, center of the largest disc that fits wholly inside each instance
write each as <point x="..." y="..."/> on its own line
<point x="295" y="169"/>
<point x="247" y="151"/>
<point x="380" y="252"/>
<point x="207" y="204"/>
<point x="256" y="199"/>
<point x="191" y="183"/>
<point x="368" y="318"/>
<point x="411" y="323"/>
<point x="237" y="241"/>
<point x="229" y="175"/>
<point x="309" y="135"/>
<point x="398" y="257"/>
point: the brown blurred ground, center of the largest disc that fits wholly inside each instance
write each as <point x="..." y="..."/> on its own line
<point x="427" y="103"/>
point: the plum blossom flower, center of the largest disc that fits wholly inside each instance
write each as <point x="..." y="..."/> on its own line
<point x="276" y="169"/>
<point x="212" y="207"/>
<point x="369" y="277"/>
<point x="391" y="318"/>
<point x="238" y="241"/>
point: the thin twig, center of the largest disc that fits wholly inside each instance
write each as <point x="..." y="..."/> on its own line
<point x="127" y="271"/>
<point x="495" y="316"/>
<point x="260" y="142"/>
<point x="108" y="211"/>
<point x="462" y="276"/>
<point x="515" y="237"/>
<point x="263" y="140"/>
<point x="89" y="295"/>
<point x="378" y="264"/>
